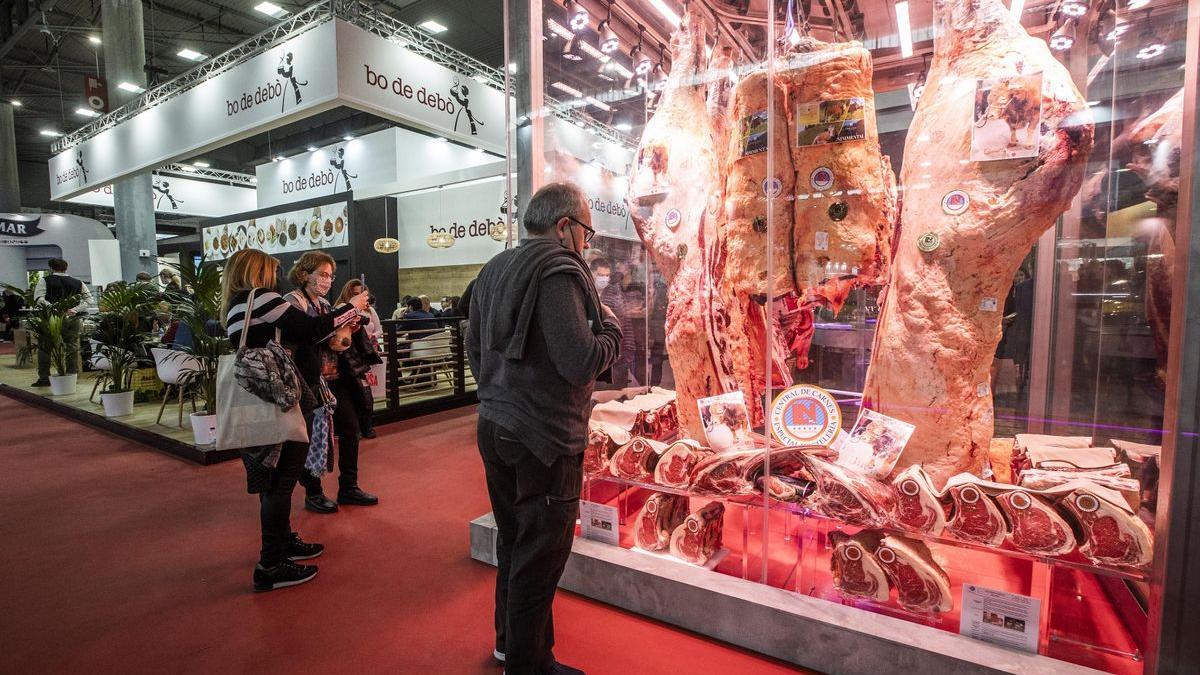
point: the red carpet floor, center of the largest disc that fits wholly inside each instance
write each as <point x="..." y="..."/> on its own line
<point x="115" y="558"/>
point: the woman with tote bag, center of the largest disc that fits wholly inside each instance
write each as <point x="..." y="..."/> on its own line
<point x="272" y="470"/>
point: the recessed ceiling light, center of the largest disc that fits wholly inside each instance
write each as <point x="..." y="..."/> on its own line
<point x="50" y="132"/>
<point x="189" y="169"/>
<point x="567" y="88"/>
<point x="623" y="126"/>
<point x="16" y="102"/>
<point x="667" y="13"/>
<point x="202" y="164"/>
<point x="431" y="26"/>
<point x="347" y="138"/>
<point x="598" y="103"/>
<point x="94" y="39"/>
<point x="312" y="148"/>
<point x="270" y="9"/>
<point x="86" y="112"/>
<point x="904" y="28"/>
<point x="130" y="87"/>
<point x="191" y="54"/>
<point x="442" y="139"/>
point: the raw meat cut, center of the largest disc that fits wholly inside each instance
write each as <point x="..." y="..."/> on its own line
<point x="918" y="506"/>
<point x="650" y="415"/>
<point x="1035" y="527"/>
<point x="789" y="478"/>
<point x="849" y="496"/>
<point x="599" y="450"/>
<point x="921" y="584"/>
<point x="975" y="516"/>
<point x="698" y="538"/>
<point x="636" y="460"/>
<point x="1028" y="448"/>
<point x="843" y="231"/>
<point x="1116" y="478"/>
<point x="854" y="568"/>
<point x="675" y="200"/>
<point x="956" y="253"/>
<point x="723" y="474"/>
<point x="659" y="517"/>
<point x="1112" y="533"/>
<point x="721" y="78"/>
<point x="678" y="462"/>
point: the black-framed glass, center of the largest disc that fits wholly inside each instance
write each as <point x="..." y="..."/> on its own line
<point x="588" y="231"/>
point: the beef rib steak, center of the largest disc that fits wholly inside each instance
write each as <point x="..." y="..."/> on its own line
<point x="1035" y="526"/>
<point x="918" y="507"/>
<point x="921" y="584"/>
<point x="678" y="462"/>
<point x="975" y="516"/>
<point x="657" y="520"/>
<point x="1112" y="533"/>
<point x="698" y="537"/>
<point x="855" y="571"/>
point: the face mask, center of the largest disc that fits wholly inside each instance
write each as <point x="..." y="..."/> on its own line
<point x="601" y="282"/>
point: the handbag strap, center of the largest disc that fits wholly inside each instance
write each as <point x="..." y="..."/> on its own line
<point x="249" y="318"/>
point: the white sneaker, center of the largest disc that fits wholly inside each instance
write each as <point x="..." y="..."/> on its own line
<point x="499" y="655"/>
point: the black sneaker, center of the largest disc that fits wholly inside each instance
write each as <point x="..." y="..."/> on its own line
<point x="298" y="549"/>
<point x="286" y="573"/>
<point x="41" y="383"/>
<point x="369" y="433"/>
<point x="320" y="504"/>
<point x="498" y="655"/>
<point x="356" y="497"/>
<point x="562" y="669"/>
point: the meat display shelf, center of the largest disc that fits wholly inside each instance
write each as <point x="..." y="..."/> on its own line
<point x="757" y="501"/>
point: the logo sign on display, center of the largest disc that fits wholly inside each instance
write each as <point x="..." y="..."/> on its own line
<point x="20" y="227"/>
<point x="319" y="227"/>
<point x="176" y="194"/>
<point x="805" y="415"/>
<point x="95" y="92"/>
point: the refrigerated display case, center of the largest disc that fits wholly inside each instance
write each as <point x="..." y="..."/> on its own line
<point x="958" y="216"/>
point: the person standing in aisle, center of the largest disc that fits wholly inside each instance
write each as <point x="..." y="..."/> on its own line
<point x="354" y="364"/>
<point x="52" y="288"/>
<point x="614" y="298"/>
<point x="538" y="339"/>
<point x="312" y="277"/>
<point x="271" y="471"/>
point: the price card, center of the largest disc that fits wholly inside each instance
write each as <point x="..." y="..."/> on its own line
<point x="598" y="522"/>
<point x="1005" y="619"/>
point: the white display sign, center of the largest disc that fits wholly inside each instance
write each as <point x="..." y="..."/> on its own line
<point x="175" y="194"/>
<point x="307" y="229"/>
<point x="381" y="158"/>
<point x="105" y="257"/>
<point x="293" y="80"/>
<point x="599" y="522"/>
<point x="455" y="225"/>
<point x="1004" y="618"/>
<point x="384" y="78"/>
<point x="600" y="168"/>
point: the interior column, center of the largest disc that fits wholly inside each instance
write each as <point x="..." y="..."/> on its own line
<point x="133" y="197"/>
<point x="12" y="258"/>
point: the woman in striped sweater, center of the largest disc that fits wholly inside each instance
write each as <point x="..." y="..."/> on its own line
<point x="248" y="270"/>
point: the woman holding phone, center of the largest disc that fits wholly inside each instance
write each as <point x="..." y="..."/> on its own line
<point x="248" y="271"/>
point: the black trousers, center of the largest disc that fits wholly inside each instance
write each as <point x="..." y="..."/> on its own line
<point x="345" y="426"/>
<point x="275" y="504"/>
<point x="535" y="508"/>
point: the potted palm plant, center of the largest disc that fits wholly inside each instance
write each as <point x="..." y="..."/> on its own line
<point x="200" y="312"/>
<point x="45" y="321"/>
<point x="121" y="340"/>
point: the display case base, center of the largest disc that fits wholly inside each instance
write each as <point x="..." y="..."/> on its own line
<point x="806" y="631"/>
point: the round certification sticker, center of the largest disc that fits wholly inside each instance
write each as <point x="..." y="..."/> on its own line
<point x="771" y="187"/>
<point x="672" y="219"/>
<point x="955" y="202"/>
<point x="821" y="178"/>
<point x="805" y="415"/>
<point x="929" y="241"/>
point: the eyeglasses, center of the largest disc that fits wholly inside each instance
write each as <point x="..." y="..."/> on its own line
<point x="325" y="275"/>
<point x="588" y="231"/>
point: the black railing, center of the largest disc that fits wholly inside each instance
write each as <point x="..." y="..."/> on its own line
<point x="426" y="367"/>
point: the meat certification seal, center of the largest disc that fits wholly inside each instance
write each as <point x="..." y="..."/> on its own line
<point x="821" y="178"/>
<point x="805" y="415"/>
<point x="955" y="202"/>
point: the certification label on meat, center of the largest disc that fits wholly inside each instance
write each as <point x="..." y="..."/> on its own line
<point x="988" y="304"/>
<point x="835" y="121"/>
<point x="822" y="241"/>
<point x="955" y="202"/>
<point x="771" y="187"/>
<point x="805" y="415"/>
<point x="821" y="178"/>
<point x="752" y="133"/>
<point x="672" y="218"/>
<point x="1003" y="618"/>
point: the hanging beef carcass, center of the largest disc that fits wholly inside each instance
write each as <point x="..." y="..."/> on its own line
<point x="853" y="565"/>
<point x="675" y="199"/>
<point x="965" y="227"/>
<point x="657" y="520"/>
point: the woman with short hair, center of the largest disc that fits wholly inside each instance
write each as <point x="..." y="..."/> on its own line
<point x="272" y="471"/>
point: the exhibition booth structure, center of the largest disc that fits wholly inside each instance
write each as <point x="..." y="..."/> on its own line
<point x="909" y="284"/>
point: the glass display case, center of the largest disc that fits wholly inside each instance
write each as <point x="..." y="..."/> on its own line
<point x="896" y="283"/>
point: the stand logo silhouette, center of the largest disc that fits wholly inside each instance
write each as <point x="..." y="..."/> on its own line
<point x="164" y="192"/>
<point x="80" y="163"/>
<point x="287" y="71"/>
<point x="338" y="162"/>
<point x="462" y="96"/>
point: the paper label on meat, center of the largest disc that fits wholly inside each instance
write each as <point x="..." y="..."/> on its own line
<point x="752" y="133"/>
<point x="805" y="415"/>
<point x="874" y="443"/>
<point x="1008" y="116"/>
<point x="822" y="241"/>
<point x="988" y="304"/>
<point x="833" y="121"/>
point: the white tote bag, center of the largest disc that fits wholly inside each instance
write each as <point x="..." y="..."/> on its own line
<point x="245" y="420"/>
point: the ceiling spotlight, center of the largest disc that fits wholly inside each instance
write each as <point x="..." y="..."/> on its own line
<point x="312" y="148"/>
<point x="50" y="132"/>
<point x="94" y="39"/>
<point x="432" y="27"/>
<point x="86" y="112"/>
<point x="1063" y="38"/>
<point x="191" y="54"/>
<point x="641" y="61"/>
<point x="570" y="50"/>
<point x="347" y="138"/>
<point x="623" y="126"/>
<point x="609" y="42"/>
<point x="202" y="164"/>
<point x="658" y="78"/>
<point x="1074" y="8"/>
<point x="130" y="87"/>
<point x="270" y="9"/>
<point x="186" y="168"/>
<point x="577" y="16"/>
<point x="16" y="102"/>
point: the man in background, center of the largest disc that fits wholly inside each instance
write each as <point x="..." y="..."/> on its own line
<point x="613" y="297"/>
<point x="54" y="287"/>
<point x="538" y="338"/>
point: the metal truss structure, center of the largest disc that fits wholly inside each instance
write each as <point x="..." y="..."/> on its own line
<point x="356" y="12"/>
<point x="189" y="171"/>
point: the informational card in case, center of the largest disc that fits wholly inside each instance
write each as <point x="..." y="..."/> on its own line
<point x="1005" y="619"/>
<point x="598" y="522"/>
<point x="874" y="444"/>
<point x="726" y="421"/>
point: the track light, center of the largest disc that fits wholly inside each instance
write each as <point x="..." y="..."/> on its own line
<point x="658" y="79"/>
<point x="1063" y="38"/>
<point x="609" y="42"/>
<point x="577" y="16"/>
<point x="1074" y="8"/>
<point x="570" y="50"/>
<point x="641" y="60"/>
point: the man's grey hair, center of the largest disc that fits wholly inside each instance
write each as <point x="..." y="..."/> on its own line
<point x="551" y="203"/>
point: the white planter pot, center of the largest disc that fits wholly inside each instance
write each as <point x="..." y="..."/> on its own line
<point x="63" y="385"/>
<point x="118" y="405"/>
<point x="204" y="428"/>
